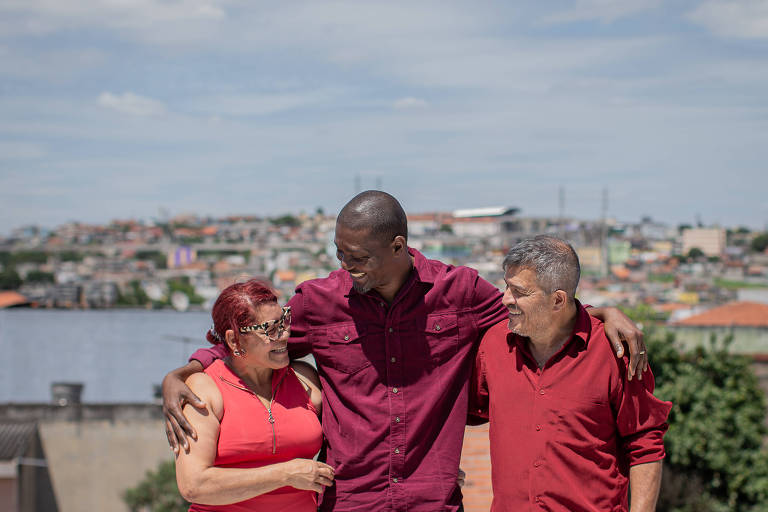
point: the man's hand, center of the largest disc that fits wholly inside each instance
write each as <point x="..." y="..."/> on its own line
<point x="619" y="329"/>
<point x="175" y="395"/>
<point x="461" y="478"/>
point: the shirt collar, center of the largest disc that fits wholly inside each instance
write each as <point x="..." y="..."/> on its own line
<point x="421" y="272"/>
<point x="421" y="267"/>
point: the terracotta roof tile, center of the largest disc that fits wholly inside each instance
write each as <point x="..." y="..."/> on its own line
<point x="746" y="314"/>
<point x="9" y="298"/>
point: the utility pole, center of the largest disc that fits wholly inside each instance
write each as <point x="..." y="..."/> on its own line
<point x="604" y="235"/>
<point x="561" y="214"/>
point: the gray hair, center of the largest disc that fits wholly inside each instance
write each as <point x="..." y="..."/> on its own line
<point x="553" y="260"/>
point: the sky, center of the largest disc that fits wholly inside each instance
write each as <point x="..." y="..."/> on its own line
<point x="116" y="109"/>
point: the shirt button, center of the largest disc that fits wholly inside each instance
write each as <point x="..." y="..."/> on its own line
<point x="391" y="330"/>
<point x="537" y="463"/>
<point x="394" y="390"/>
<point x="397" y="450"/>
<point x="394" y="479"/>
<point x="346" y="338"/>
<point x="541" y="391"/>
<point x="394" y="359"/>
<point x="397" y="419"/>
<point x="538" y="427"/>
<point x="381" y="304"/>
<point x="437" y="327"/>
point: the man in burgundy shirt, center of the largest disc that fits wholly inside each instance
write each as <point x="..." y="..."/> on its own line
<point x="568" y="431"/>
<point x="394" y="336"/>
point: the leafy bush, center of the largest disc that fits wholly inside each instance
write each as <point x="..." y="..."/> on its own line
<point x="157" y="492"/>
<point x="716" y="458"/>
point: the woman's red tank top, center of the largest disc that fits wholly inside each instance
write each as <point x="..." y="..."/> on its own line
<point x="248" y="439"/>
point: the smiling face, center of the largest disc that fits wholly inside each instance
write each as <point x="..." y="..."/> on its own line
<point x="371" y="264"/>
<point x="529" y="307"/>
<point x="259" y="350"/>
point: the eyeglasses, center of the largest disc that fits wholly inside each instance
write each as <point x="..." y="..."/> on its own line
<point x="272" y="329"/>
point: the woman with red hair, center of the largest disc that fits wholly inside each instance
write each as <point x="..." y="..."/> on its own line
<point x="259" y="430"/>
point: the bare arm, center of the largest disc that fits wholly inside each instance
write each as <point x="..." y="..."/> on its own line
<point x="308" y="377"/>
<point x="201" y="482"/>
<point x="644" y="484"/>
<point x="176" y="394"/>
<point x="620" y="328"/>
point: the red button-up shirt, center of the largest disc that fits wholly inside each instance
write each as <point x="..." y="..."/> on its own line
<point x="563" y="436"/>
<point x="395" y="381"/>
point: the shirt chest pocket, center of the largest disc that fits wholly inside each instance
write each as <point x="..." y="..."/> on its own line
<point x="344" y="347"/>
<point x="439" y="338"/>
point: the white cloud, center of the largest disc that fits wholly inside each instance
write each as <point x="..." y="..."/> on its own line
<point x="746" y="19"/>
<point x="132" y="104"/>
<point x="607" y="11"/>
<point x="410" y="103"/>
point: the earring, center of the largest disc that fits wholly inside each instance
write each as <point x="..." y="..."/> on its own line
<point x="238" y="353"/>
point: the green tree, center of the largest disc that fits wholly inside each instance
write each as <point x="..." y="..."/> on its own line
<point x="159" y="258"/>
<point x="285" y="220"/>
<point x="9" y="279"/>
<point x="70" y="256"/>
<point x="183" y="285"/>
<point x="38" y="276"/>
<point x="760" y="243"/>
<point x="715" y="460"/>
<point x="157" y="492"/>
<point x="134" y="295"/>
<point x="695" y="253"/>
<point x="38" y="257"/>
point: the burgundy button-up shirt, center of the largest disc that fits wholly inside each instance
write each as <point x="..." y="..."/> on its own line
<point x="395" y="381"/>
<point x="563" y="436"/>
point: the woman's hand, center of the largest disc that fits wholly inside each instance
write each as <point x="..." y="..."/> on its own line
<point x="308" y="474"/>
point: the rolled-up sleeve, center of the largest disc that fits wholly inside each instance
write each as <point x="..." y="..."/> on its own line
<point x="641" y="420"/>
<point x="206" y="356"/>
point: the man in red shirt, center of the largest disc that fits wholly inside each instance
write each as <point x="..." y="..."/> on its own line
<point x="394" y="336"/>
<point x="568" y="430"/>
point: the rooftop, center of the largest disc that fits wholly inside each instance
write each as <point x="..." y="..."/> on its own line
<point x="744" y="314"/>
<point x="14" y="438"/>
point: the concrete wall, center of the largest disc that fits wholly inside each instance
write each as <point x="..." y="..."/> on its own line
<point x="746" y="340"/>
<point x="8" y="486"/>
<point x="95" y="452"/>
<point x="93" y="462"/>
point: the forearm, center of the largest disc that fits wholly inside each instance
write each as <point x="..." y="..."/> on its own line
<point x="183" y="372"/>
<point x="223" y="486"/>
<point x="644" y="484"/>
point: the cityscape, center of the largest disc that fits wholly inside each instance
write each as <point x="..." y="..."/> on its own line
<point x="184" y="261"/>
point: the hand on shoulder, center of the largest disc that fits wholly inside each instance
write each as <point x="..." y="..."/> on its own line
<point x="203" y="386"/>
